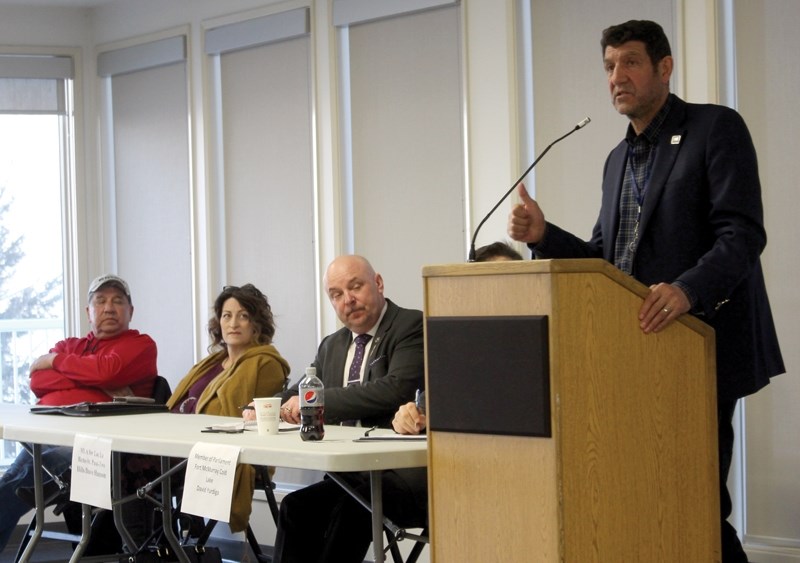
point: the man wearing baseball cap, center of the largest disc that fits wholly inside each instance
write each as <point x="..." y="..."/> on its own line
<point x="111" y="360"/>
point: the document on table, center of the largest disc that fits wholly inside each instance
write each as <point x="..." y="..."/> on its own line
<point x="373" y="437"/>
<point x="250" y="425"/>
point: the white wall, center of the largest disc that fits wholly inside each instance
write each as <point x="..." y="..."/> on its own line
<point x="767" y="79"/>
<point x="568" y="84"/>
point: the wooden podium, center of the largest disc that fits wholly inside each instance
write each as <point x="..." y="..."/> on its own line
<point x="625" y="468"/>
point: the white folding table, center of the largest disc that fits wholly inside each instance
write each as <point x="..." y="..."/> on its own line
<point x="172" y="435"/>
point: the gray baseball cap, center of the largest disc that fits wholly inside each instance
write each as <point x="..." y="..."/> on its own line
<point x="109" y="279"/>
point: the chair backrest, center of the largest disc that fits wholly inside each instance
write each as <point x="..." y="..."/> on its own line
<point x="161" y="389"/>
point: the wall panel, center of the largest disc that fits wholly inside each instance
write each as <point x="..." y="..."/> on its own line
<point x="767" y="79"/>
<point x="151" y="206"/>
<point x="407" y="146"/>
<point x="268" y="186"/>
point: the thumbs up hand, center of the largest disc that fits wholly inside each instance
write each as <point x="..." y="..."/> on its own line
<point x="526" y="220"/>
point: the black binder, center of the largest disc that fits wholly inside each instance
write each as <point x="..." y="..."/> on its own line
<point x="133" y="405"/>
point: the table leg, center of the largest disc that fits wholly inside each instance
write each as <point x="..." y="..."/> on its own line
<point x="167" y="514"/>
<point x="38" y="484"/>
<point x="86" y="533"/>
<point x="375" y="478"/>
<point x="117" y="502"/>
<point x="375" y="507"/>
<point x="36" y="452"/>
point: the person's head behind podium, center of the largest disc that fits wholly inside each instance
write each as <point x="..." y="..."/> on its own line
<point x="355" y="291"/>
<point x="496" y="252"/>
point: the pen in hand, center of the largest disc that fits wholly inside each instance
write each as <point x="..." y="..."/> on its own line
<point x="419" y="401"/>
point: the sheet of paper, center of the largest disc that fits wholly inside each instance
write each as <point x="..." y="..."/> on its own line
<point x="232" y="427"/>
<point x="91" y="471"/>
<point x="208" y="486"/>
<point x="392" y="438"/>
<point x="241" y="426"/>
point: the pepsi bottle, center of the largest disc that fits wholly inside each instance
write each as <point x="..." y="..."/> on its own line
<point x="312" y="406"/>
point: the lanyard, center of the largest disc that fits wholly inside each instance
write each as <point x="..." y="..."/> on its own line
<point x="639" y="190"/>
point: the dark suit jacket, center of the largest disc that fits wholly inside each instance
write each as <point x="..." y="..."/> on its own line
<point x="702" y="224"/>
<point x="395" y="369"/>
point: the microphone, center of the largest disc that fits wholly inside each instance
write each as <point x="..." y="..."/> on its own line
<point x="580" y="125"/>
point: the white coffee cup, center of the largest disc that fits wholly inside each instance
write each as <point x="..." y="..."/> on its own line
<point x="268" y="410"/>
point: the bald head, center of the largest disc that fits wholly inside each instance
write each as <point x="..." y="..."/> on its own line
<point x="355" y="291"/>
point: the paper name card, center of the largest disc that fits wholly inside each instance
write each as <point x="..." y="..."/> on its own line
<point x="208" y="486"/>
<point x="91" y="471"/>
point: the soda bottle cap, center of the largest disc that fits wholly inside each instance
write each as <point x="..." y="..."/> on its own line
<point x="311" y="370"/>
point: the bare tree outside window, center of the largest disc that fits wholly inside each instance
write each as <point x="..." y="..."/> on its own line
<point x="31" y="264"/>
<point x="25" y="304"/>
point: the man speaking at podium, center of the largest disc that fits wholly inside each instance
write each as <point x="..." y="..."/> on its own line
<point x="681" y="212"/>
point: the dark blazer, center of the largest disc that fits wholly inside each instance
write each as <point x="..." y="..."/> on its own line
<point x="702" y="224"/>
<point x="395" y="369"/>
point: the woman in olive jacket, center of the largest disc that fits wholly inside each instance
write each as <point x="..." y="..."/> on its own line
<point x="243" y="365"/>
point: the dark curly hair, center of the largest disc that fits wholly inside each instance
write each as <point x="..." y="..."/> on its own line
<point x="496" y="250"/>
<point x="648" y="32"/>
<point x="255" y="303"/>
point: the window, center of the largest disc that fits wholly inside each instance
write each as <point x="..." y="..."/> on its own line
<point x="147" y="188"/>
<point x="35" y="160"/>
<point x="264" y="189"/>
<point x="403" y="107"/>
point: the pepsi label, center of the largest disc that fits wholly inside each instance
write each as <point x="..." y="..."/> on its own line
<point x="311" y="398"/>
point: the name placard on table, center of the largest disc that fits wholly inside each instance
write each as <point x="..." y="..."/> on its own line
<point x="208" y="486"/>
<point x="91" y="471"/>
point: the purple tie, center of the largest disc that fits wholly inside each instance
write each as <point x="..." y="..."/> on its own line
<point x="354" y="377"/>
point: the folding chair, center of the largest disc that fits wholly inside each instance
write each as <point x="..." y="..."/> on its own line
<point x="394" y="533"/>
<point x="393" y="537"/>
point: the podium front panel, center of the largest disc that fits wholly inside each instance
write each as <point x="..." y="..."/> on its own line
<point x="489" y="375"/>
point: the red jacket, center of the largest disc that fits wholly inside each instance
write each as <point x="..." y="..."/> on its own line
<point x="85" y="368"/>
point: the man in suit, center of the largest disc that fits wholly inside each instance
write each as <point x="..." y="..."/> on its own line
<point x="322" y="522"/>
<point x="681" y="212"/>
